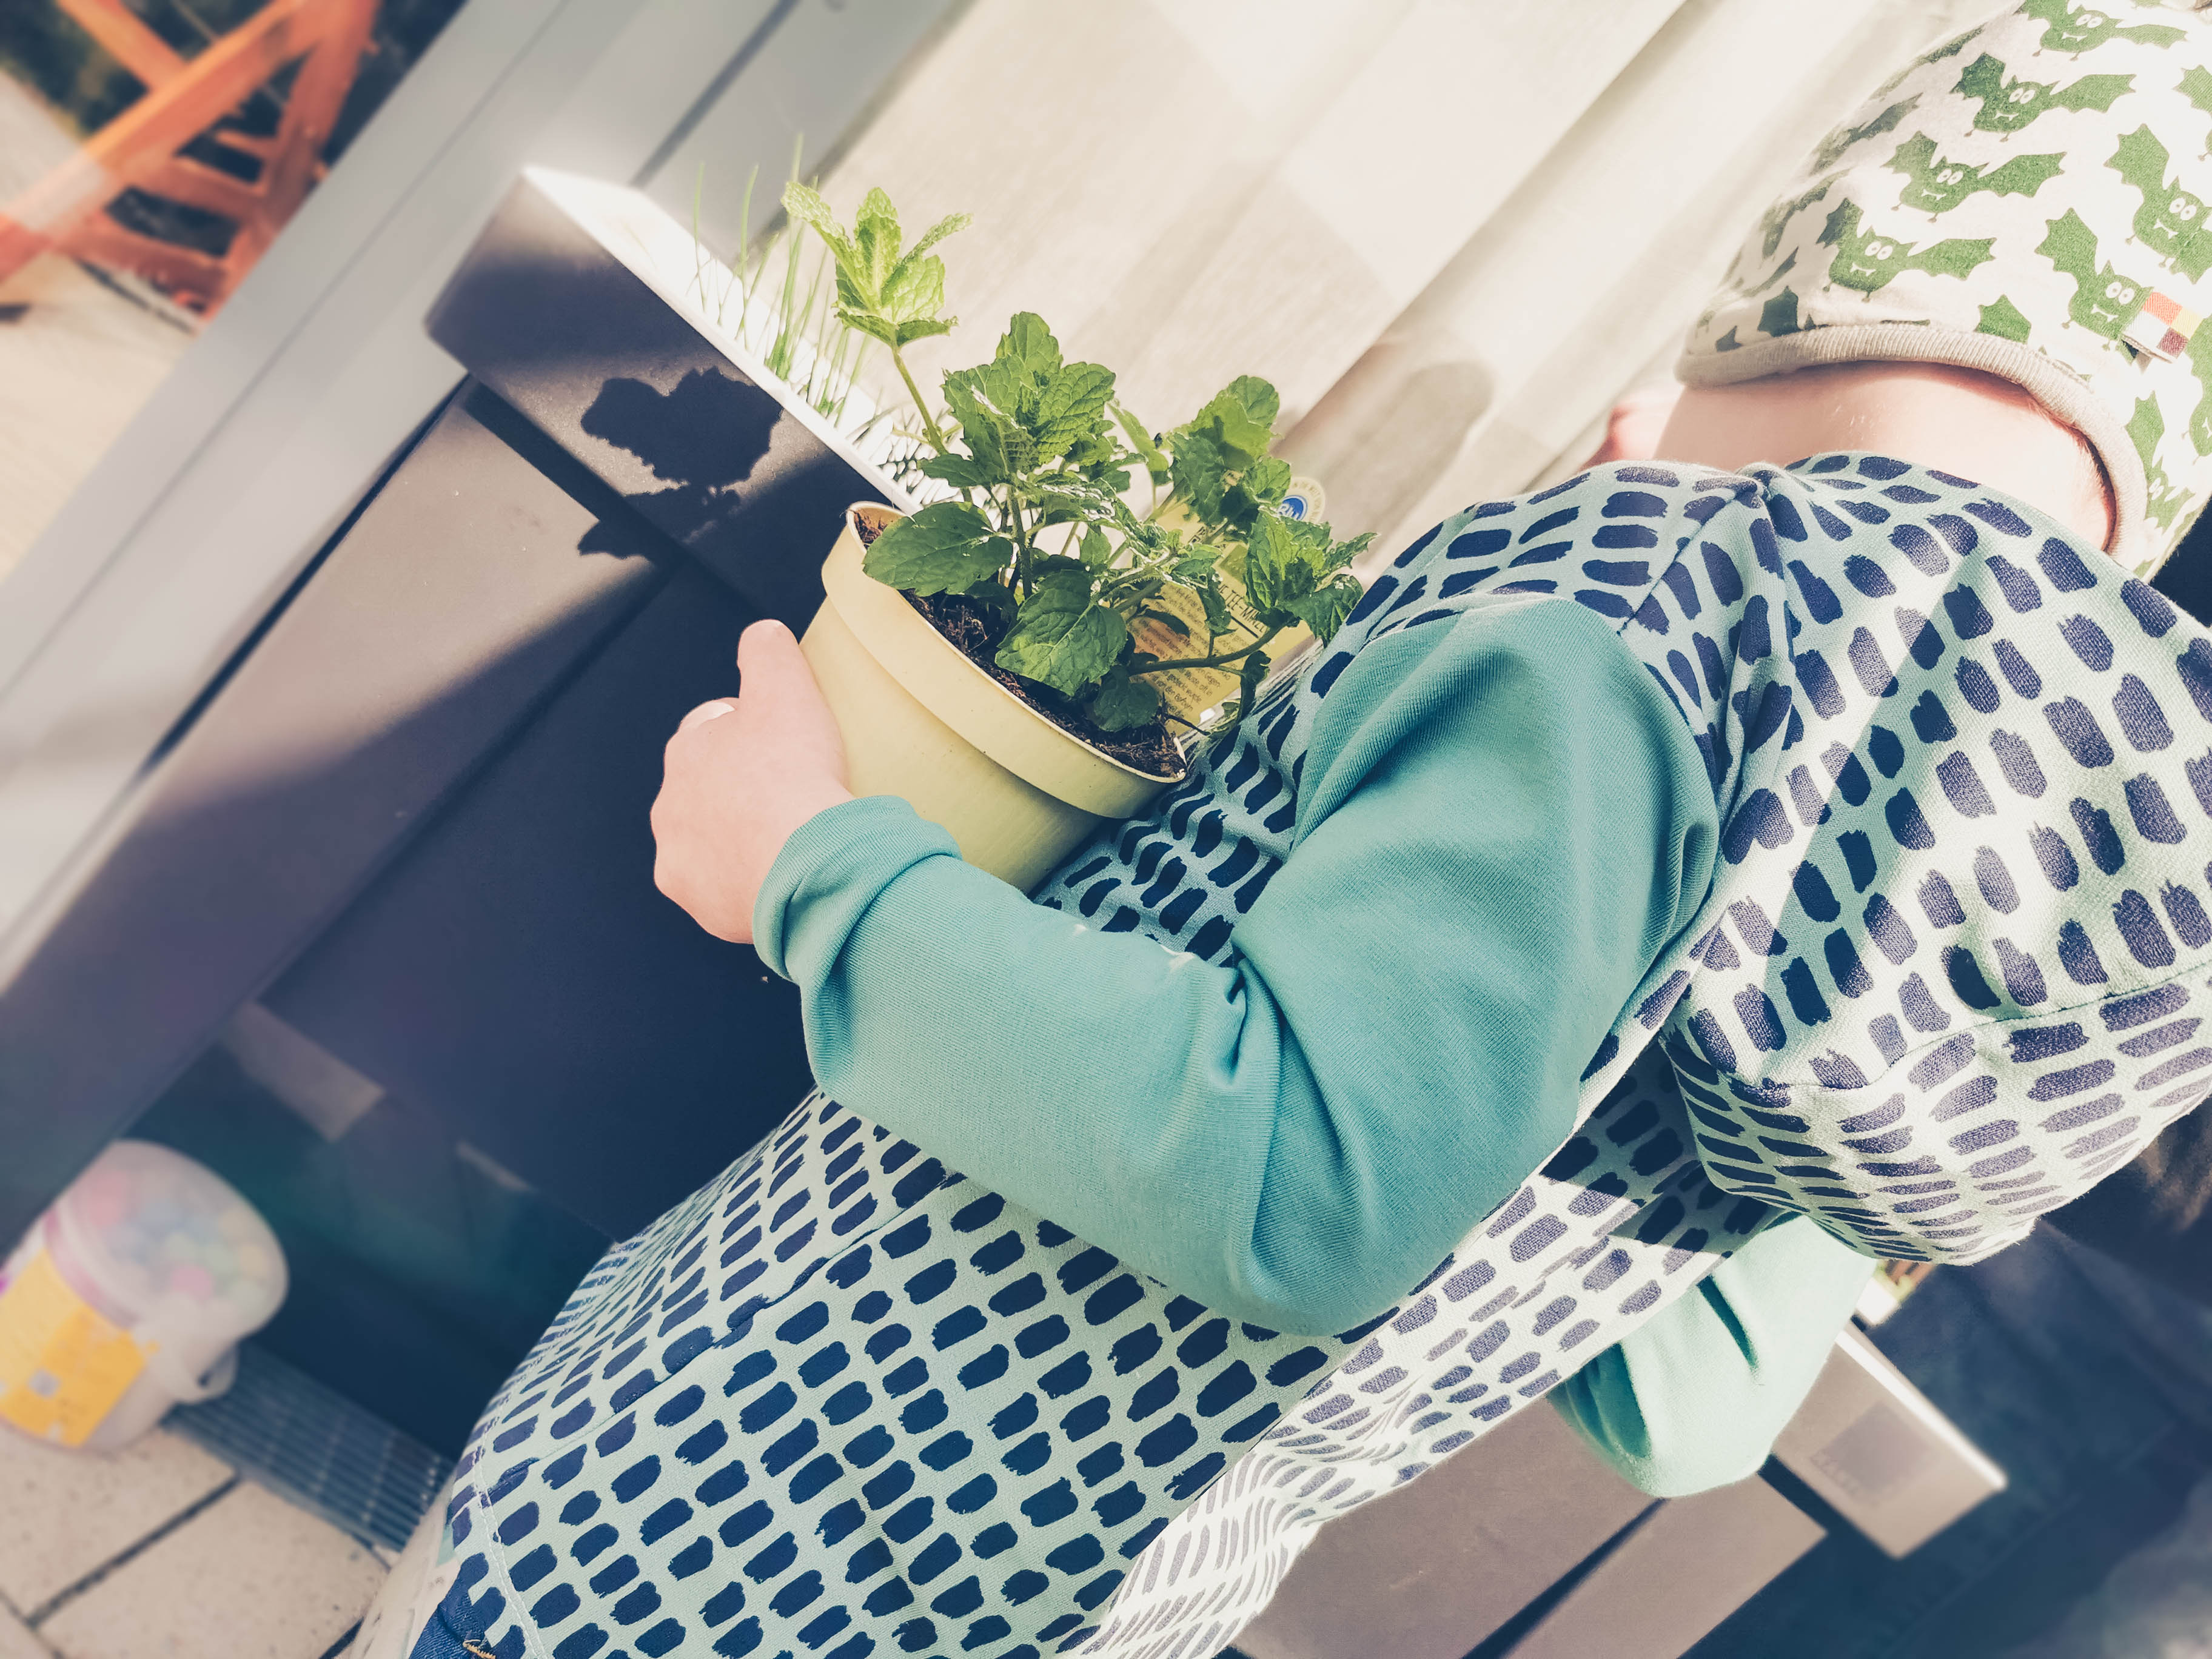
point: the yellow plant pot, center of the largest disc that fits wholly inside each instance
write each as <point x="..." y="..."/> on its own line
<point x="922" y="723"/>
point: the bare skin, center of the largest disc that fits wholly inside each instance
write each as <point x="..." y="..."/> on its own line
<point x="1954" y="420"/>
<point x="744" y="772"/>
<point x="740" y="775"/>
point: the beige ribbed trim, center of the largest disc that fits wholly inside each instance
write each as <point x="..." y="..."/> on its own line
<point x="2057" y="388"/>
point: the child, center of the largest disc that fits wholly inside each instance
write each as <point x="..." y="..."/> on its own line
<point x="1686" y="845"/>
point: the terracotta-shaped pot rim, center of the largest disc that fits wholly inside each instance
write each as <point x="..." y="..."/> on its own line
<point x="940" y="675"/>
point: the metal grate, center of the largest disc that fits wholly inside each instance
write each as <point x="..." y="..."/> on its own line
<point x="316" y="1447"/>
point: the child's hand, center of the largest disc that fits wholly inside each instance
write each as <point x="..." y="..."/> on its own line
<point x="742" y="774"/>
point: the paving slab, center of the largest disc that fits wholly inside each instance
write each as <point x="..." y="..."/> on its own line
<point x="249" y="1578"/>
<point x="68" y="1514"/>
<point x="16" y="1641"/>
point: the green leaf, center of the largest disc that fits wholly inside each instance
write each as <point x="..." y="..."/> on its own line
<point x="867" y="323"/>
<point x="985" y="432"/>
<point x="1097" y="552"/>
<point x="1028" y="343"/>
<point x="1198" y="470"/>
<point x="1219" y="619"/>
<point x="805" y="203"/>
<point x="1073" y="405"/>
<point x="1267" y="480"/>
<point x="914" y="290"/>
<point x="1260" y="398"/>
<point x="1243" y="436"/>
<point x="805" y="206"/>
<point x="853" y="292"/>
<point x="1123" y="704"/>
<point x="937" y="232"/>
<point x="959" y="471"/>
<point x="1148" y="452"/>
<point x="876" y="235"/>
<point x="1341" y="553"/>
<point x="1257" y="492"/>
<point x="1087" y="499"/>
<point x="922" y="327"/>
<point x="947" y="547"/>
<point x="1146" y="542"/>
<point x="1166" y="619"/>
<point x="1325" y="609"/>
<point x="1062" y="636"/>
<point x="1249" y="673"/>
<point x="1277" y="568"/>
<point x="996" y="598"/>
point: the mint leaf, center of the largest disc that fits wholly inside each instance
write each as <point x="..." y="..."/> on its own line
<point x="1242" y="436"/>
<point x="913" y="289"/>
<point x="985" y="432"/>
<point x="880" y="293"/>
<point x="1167" y="619"/>
<point x="1219" y="619"/>
<point x="1325" y="609"/>
<point x="1028" y="343"/>
<point x="1062" y="636"/>
<point x="1063" y="498"/>
<point x="875" y="236"/>
<point x="867" y="322"/>
<point x="807" y="206"/>
<point x="922" y="327"/>
<point x="1072" y="406"/>
<point x="1277" y="568"/>
<point x="1266" y="480"/>
<point x="1123" y="704"/>
<point x="1198" y="471"/>
<point x="1148" y="452"/>
<point x="1097" y="552"/>
<point x="1260" y="398"/>
<point x="1257" y="492"/>
<point x="1341" y="553"/>
<point x="959" y="471"/>
<point x="947" y="547"/>
<point x="937" y="232"/>
<point x="996" y="598"/>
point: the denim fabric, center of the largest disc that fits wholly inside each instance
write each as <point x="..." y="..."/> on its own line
<point x="439" y="1641"/>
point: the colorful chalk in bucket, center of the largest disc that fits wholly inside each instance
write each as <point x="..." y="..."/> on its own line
<point x="130" y="1294"/>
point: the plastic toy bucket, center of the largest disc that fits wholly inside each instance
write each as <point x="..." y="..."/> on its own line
<point x="130" y="1295"/>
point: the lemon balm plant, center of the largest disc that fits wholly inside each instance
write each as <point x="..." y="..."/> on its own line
<point x="1038" y="564"/>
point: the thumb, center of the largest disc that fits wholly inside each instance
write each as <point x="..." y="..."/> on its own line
<point x="774" y="674"/>
<point x="769" y="662"/>
<point x="776" y="685"/>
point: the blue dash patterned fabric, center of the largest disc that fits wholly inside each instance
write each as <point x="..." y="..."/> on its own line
<point x="1951" y="969"/>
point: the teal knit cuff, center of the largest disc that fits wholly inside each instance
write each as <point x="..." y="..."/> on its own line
<point x="828" y="874"/>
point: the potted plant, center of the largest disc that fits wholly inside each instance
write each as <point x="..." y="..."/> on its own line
<point x="1031" y="652"/>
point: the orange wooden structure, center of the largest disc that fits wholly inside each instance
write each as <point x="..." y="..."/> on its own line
<point x="66" y="210"/>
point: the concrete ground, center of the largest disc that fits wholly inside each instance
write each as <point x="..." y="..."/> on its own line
<point x="78" y="357"/>
<point x="162" y="1551"/>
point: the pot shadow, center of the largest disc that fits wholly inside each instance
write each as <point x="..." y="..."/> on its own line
<point x="704" y="435"/>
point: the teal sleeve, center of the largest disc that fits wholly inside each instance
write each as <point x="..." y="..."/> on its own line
<point x="1695" y="1396"/>
<point x="1502" y="822"/>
